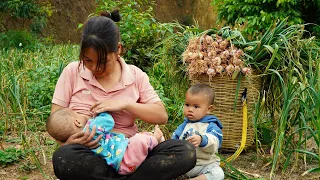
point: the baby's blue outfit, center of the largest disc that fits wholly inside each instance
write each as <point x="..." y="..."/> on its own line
<point x="112" y="145"/>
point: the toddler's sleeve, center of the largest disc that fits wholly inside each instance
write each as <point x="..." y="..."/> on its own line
<point x="214" y="138"/>
<point x="177" y="133"/>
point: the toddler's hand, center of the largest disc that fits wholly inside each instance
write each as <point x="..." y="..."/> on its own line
<point x="195" y="140"/>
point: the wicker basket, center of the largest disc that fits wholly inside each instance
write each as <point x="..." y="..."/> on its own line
<point x="225" y="93"/>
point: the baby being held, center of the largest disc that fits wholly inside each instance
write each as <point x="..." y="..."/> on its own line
<point x="123" y="154"/>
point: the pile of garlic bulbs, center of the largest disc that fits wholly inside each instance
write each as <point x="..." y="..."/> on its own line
<point x="213" y="56"/>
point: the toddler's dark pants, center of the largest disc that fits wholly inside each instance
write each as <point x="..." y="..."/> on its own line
<point x="166" y="161"/>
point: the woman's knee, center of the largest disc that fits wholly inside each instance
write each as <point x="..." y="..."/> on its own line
<point x="60" y="160"/>
<point x="67" y="150"/>
<point x="187" y="154"/>
<point x="190" y="151"/>
<point x="76" y="161"/>
<point x="66" y="156"/>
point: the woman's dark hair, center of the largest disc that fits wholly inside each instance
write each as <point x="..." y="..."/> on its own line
<point x="102" y="34"/>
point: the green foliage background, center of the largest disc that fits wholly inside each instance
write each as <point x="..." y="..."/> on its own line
<point x="28" y="10"/>
<point x="139" y="30"/>
<point x="254" y="17"/>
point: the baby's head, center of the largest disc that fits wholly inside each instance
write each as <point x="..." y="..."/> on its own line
<point x="199" y="101"/>
<point x="64" y="122"/>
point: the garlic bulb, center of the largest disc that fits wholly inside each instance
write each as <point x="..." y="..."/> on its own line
<point x="223" y="44"/>
<point x="219" y="69"/>
<point x="239" y="53"/>
<point x="216" y="61"/>
<point x="211" y="72"/>
<point x="246" y="71"/>
<point x="213" y="55"/>
<point x="230" y="69"/>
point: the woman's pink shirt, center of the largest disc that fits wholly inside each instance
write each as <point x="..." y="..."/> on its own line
<point x="78" y="89"/>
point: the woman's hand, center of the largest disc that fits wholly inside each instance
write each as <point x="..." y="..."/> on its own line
<point x="107" y="105"/>
<point x="85" y="138"/>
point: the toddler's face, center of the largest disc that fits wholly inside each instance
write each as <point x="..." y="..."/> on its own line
<point x="196" y="106"/>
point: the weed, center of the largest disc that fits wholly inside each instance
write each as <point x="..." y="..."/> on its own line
<point x="10" y="155"/>
<point x="27" y="167"/>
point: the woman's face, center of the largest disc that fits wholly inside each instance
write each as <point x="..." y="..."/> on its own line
<point x="90" y="60"/>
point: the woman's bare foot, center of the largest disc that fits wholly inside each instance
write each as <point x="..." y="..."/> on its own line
<point x="158" y="134"/>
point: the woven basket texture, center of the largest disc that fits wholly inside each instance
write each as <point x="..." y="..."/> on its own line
<point x="224" y="103"/>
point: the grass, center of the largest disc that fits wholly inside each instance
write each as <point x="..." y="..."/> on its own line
<point x="291" y="80"/>
<point x="19" y="90"/>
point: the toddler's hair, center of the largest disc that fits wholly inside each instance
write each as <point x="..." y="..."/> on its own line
<point x="202" y="88"/>
<point x="59" y="126"/>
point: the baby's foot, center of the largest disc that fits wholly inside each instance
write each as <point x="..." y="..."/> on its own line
<point x="158" y="134"/>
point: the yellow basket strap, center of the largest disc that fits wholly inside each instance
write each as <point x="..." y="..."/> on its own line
<point x="244" y="133"/>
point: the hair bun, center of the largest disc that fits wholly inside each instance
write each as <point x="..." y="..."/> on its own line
<point x="114" y="15"/>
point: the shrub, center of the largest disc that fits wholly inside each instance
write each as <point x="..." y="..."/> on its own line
<point x="255" y="16"/>
<point x="40" y="90"/>
<point x="139" y="30"/>
<point x="18" y="39"/>
<point x="28" y="9"/>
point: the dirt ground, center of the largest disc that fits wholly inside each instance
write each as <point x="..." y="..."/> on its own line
<point x="257" y="166"/>
<point x="249" y="163"/>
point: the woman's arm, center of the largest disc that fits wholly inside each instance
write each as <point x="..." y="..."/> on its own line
<point x="55" y="107"/>
<point x="150" y="113"/>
